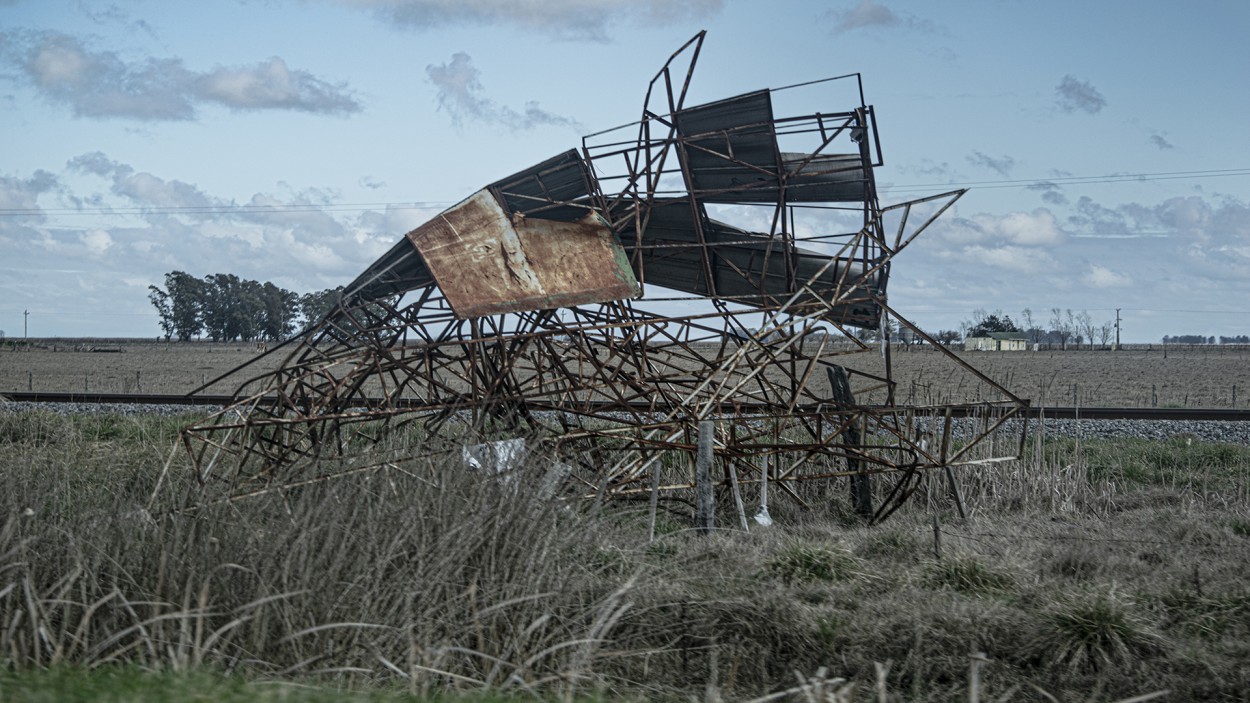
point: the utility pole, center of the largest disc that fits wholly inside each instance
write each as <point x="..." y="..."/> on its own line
<point x="1117" y="329"/>
<point x="25" y="324"/>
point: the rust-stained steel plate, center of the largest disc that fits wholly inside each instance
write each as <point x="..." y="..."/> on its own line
<point x="487" y="264"/>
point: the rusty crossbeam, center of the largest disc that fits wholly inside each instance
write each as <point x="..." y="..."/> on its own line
<point x="517" y="313"/>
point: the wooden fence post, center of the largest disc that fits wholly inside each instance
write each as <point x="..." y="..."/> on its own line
<point x="655" y="498"/>
<point x="705" y="507"/>
<point x="861" y="484"/>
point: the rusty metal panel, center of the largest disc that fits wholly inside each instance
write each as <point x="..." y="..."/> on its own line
<point x="486" y="264"/>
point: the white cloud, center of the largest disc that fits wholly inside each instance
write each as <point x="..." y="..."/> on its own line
<point x="868" y="14"/>
<point x="1204" y="221"/>
<point x="97" y="241"/>
<point x="1103" y="277"/>
<point x="272" y="85"/>
<point x="102" y="84"/>
<point x="459" y="94"/>
<point x="21" y="195"/>
<point x="58" y="63"/>
<point x="564" y="19"/>
<point x="1038" y="228"/>
<point x="1014" y="258"/>
<point x="147" y="190"/>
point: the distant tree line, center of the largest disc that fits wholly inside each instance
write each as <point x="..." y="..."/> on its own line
<point x="1064" y="327"/>
<point x="1202" y="339"/>
<point x="225" y="308"/>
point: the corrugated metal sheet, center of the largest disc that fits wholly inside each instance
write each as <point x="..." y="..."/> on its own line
<point x="538" y="191"/>
<point x="732" y="156"/>
<point x="747" y="264"/>
<point x="398" y="270"/>
<point x="487" y="263"/>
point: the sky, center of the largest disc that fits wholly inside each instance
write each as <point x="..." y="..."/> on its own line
<point x="1105" y="144"/>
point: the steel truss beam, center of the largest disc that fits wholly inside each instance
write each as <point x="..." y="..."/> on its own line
<point x="615" y="392"/>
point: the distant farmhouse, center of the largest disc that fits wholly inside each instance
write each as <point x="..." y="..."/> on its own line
<point x="998" y="341"/>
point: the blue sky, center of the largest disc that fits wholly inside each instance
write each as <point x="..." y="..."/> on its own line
<point x="294" y="141"/>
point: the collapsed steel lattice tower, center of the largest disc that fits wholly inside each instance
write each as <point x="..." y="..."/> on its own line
<point x="516" y="312"/>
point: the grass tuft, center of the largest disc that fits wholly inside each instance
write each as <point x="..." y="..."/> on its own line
<point x="1097" y="633"/>
<point x="803" y="562"/>
<point x="967" y="574"/>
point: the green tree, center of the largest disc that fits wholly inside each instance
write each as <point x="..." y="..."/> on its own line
<point x="315" y="306"/>
<point x="160" y="300"/>
<point x="224" y="307"/>
<point x="992" y="323"/>
<point x="186" y="304"/>
<point x="279" y="310"/>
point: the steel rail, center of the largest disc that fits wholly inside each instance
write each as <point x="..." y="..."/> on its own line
<point x="957" y="410"/>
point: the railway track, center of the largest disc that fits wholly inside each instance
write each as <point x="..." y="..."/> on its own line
<point x="1057" y="412"/>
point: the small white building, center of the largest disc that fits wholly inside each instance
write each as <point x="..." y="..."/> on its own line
<point x="998" y="341"/>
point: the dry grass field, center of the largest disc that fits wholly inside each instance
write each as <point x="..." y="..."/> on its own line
<point x="1090" y="570"/>
<point x="1182" y="377"/>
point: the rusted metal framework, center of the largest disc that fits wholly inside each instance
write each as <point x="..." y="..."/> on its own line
<point x="518" y="312"/>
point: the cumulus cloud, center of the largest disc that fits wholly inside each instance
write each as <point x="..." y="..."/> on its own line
<point x="1103" y="277"/>
<point x="460" y="95"/>
<point x="1218" y="222"/>
<point x="563" y="19"/>
<point x="97" y="241"/>
<point x="144" y="190"/>
<point x="1012" y="258"/>
<point x="1030" y="229"/>
<point x="19" y="197"/>
<point x="869" y="15"/>
<point x="102" y="84"/>
<point x="1001" y="165"/>
<point x="1072" y="95"/>
<point x="181" y="226"/>
<point x="272" y="85"/>
<point x="140" y="225"/>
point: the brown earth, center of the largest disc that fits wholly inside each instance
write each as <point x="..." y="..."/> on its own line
<point x="1182" y="377"/>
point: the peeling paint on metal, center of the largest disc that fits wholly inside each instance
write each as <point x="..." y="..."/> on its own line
<point x="486" y="263"/>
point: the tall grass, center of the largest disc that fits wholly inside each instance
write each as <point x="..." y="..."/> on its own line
<point x="426" y="573"/>
<point x="426" y="577"/>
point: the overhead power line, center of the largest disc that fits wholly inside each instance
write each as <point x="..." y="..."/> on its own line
<point x="424" y="205"/>
<point x="224" y="209"/>
<point x="1077" y="180"/>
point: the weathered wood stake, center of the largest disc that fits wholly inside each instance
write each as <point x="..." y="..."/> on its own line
<point x="861" y="484"/>
<point x="742" y="512"/>
<point x="655" y="499"/>
<point x="704" y="516"/>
